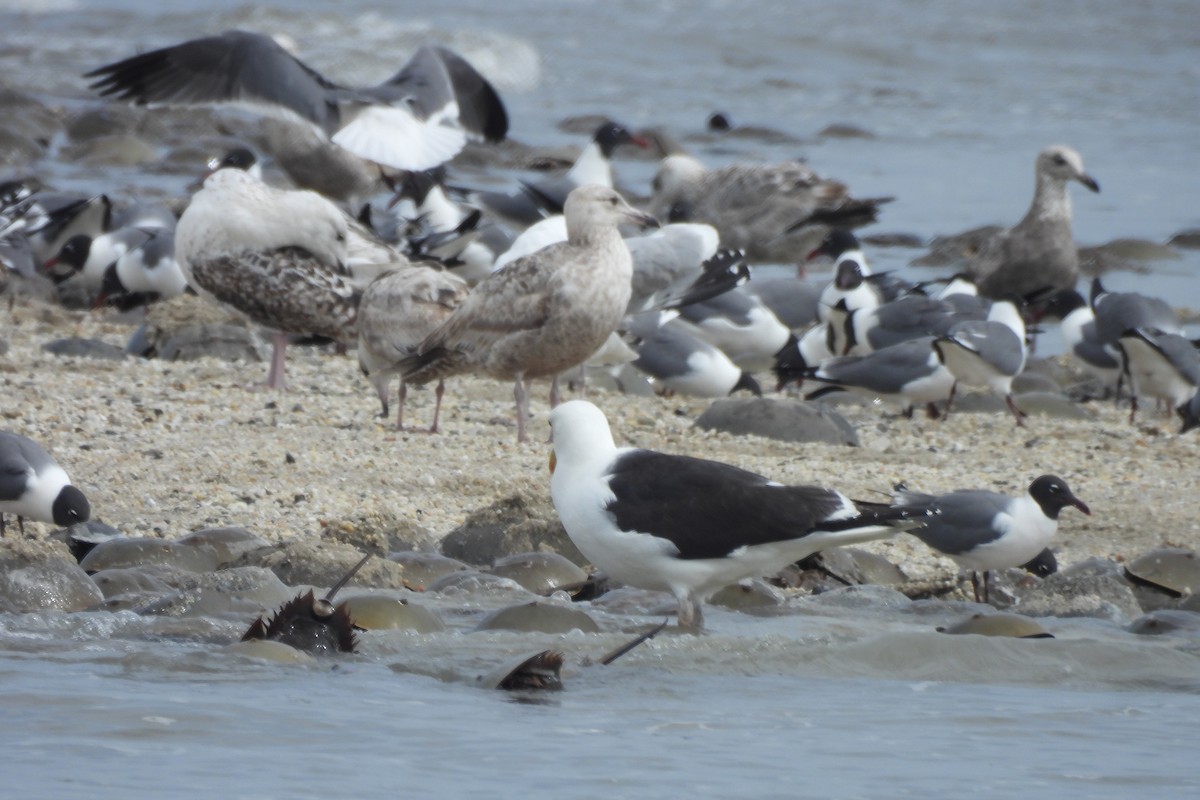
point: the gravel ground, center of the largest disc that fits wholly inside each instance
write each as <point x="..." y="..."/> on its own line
<point x="167" y="448"/>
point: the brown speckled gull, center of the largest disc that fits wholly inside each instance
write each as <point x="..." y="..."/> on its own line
<point x="546" y="312"/>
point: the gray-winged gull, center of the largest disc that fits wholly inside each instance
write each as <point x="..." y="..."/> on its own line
<point x="983" y="531"/>
<point x="1165" y="366"/>
<point x="988" y="353"/>
<point x="776" y="213"/>
<point x="546" y="312"/>
<point x="908" y="373"/>
<point x="677" y="361"/>
<point x="418" y="118"/>
<point x="1039" y="251"/>
<point x="690" y="526"/>
<point x="277" y="256"/>
<point x="398" y="310"/>
<point x="33" y="485"/>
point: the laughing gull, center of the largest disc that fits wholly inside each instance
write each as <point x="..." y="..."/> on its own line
<point x="33" y="485"/>
<point x="398" y="310"/>
<point x="988" y="353"/>
<point x="1039" y="251"/>
<point x="277" y="256"/>
<point x="675" y="360"/>
<point x="741" y="326"/>
<point x="50" y="219"/>
<point x="796" y="360"/>
<point x="983" y="531"/>
<point x="912" y="316"/>
<point x="420" y="117"/>
<point x="1117" y="312"/>
<point x="1165" y="366"/>
<point x="776" y="213"/>
<point x="909" y="374"/>
<point x="546" y="312"/>
<point x="535" y="200"/>
<point x="690" y="526"/>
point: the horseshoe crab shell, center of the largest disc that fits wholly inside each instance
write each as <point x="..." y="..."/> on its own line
<point x="1172" y="569"/>
<point x="999" y="624"/>
<point x="539" y="671"/>
<point x="310" y="624"/>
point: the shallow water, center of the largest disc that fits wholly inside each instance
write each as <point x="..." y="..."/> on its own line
<point x="845" y="703"/>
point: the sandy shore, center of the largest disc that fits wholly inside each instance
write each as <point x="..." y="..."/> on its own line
<point x="163" y="449"/>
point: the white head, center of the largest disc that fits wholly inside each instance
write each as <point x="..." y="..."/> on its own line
<point x="580" y="432"/>
<point x="675" y="174"/>
<point x="592" y="210"/>
<point x="1062" y="163"/>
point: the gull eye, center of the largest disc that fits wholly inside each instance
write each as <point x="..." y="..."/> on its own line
<point x="1059" y="159"/>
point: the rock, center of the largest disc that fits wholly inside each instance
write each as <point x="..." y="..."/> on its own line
<point x="841" y="130"/>
<point x="227" y="544"/>
<point x="1166" y="622"/>
<point x="18" y="149"/>
<point x="775" y="418"/>
<point x="147" y="582"/>
<point x="40" y="575"/>
<point x="521" y="523"/>
<point x="83" y="537"/>
<point x="112" y="119"/>
<point x="1092" y="588"/>
<point x="1139" y="250"/>
<point x="224" y="342"/>
<point x="379" y="531"/>
<point x="122" y="150"/>
<point x="748" y="595"/>
<point x="894" y="240"/>
<point x="945" y="251"/>
<point x="84" y="348"/>
<point x="999" y="624"/>
<point x="240" y="590"/>
<point x="1052" y="404"/>
<point x="1189" y="239"/>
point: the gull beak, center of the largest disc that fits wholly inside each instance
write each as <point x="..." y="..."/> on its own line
<point x="553" y="462"/>
<point x="1082" y="506"/>
<point x="642" y="219"/>
<point x="1089" y="182"/>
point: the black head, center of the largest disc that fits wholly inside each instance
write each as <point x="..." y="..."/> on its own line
<point x="747" y="383"/>
<point x="836" y="242"/>
<point x="73" y="253"/>
<point x="238" y="158"/>
<point x="70" y="507"/>
<point x="680" y="212"/>
<point x="1189" y="413"/>
<point x="612" y="135"/>
<point x="1053" y="495"/>
<point x="719" y="122"/>
<point x="849" y="275"/>
<point x="1059" y="304"/>
<point x="1042" y="565"/>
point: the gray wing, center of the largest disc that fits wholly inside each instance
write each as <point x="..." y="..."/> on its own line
<point x="886" y="371"/>
<point x="1118" y="312"/>
<point x="993" y="342"/>
<point x="665" y="353"/>
<point x="17" y="456"/>
<point x="1182" y="355"/>
<point x="436" y="77"/>
<point x="966" y="520"/>
<point x="233" y="67"/>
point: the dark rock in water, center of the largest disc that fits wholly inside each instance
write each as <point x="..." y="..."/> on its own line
<point x="893" y="240"/>
<point x="225" y="342"/>
<point x="84" y="348"/>
<point x="1097" y="261"/>
<point x="120" y="150"/>
<point x="842" y="130"/>
<point x="540" y="573"/>
<point x="774" y="418"/>
<point x="108" y="120"/>
<point x="26" y="115"/>
<point x="1138" y="250"/>
<point x="842" y="566"/>
<point x="41" y="575"/>
<point x="539" y="616"/>
<point x="1189" y="239"/>
<point x="522" y="523"/>
<point x="422" y="569"/>
<point x="1166" y="622"/>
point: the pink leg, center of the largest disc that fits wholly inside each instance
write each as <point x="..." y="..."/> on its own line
<point x="521" y="393"/>
<point x="555" y="397"/>
<point x="400" y="410"/>
<point x="437" y="405"/>
<point x="1016" y="412"/>
<point x="275" y="377"/>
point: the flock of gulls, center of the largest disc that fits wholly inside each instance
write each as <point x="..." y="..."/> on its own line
<point x="556" y="274"/>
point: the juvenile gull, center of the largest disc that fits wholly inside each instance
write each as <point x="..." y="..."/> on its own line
<point x="690" y="526"/>
<point x="983" y="531"/>
<point x="776" y="213"/>
<point x="418" y="118"/>
<point x="277" y="256"/>
<point x="546" y="312"/>
<point x="33" y="485"/>
<point x="1039" y="251"/>
<point x="398" y="310"/>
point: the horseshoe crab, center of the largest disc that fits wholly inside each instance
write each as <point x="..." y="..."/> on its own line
<point x="309" y="624"/>
<point x="1171" y="569"/>
<point x="999" y="624"/>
